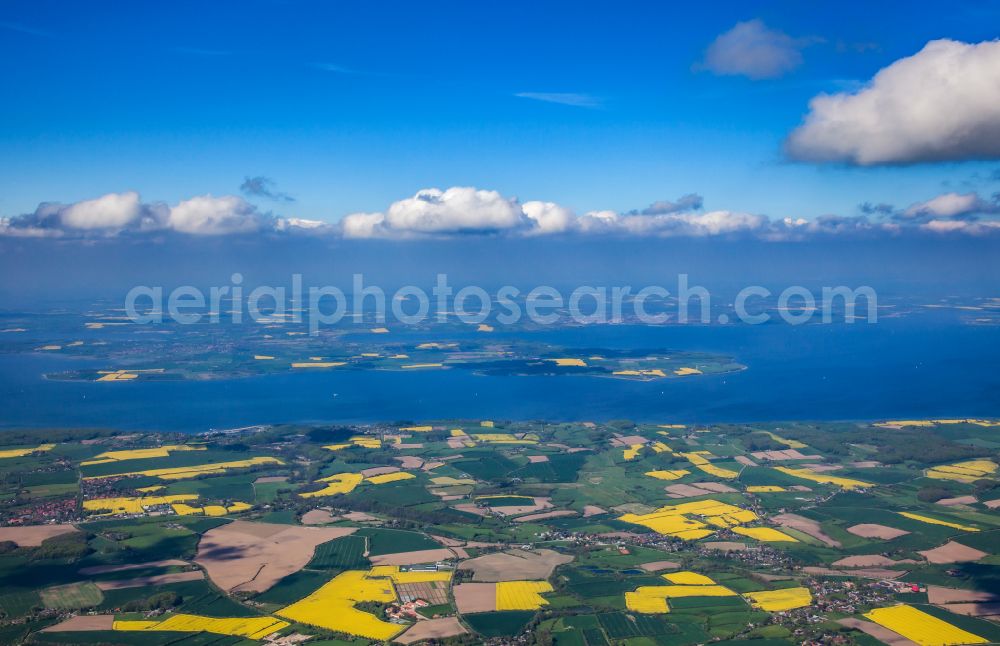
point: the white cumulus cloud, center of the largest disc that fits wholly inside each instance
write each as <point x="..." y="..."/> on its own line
<point x="941" y="104"/>
<point x="754" y="50"/>
<point x="459" y="209"/>
<point x="111" y="211"/>
<point x="548" y="217"/>
<point x="363" y="225"/>
<point x="208" y="215"/>
<point x="951" y="205"/>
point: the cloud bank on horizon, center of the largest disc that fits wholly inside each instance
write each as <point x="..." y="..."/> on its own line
<point x="464" y="211"/>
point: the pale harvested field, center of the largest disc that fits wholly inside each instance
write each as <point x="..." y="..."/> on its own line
<point x="823" y="468"/>
<point x="471" y="508"/>
<point x="872" y="530"/>
<point x="952" y="552"/>
<point x="430" y="466"/>
<point x="432" y="629"/>
<point x="592" y="510"/>
<point x="317" y="517"/>
<point x="869" y="560"/>
<point x="156" y="579"/>
<point x="513" y="510"/>
<point x="475" y="597"/>
<point x="786" y="454"/>
<point x="992" y="504"/>
<point x="656" y="566"/>
<point x="82" y="623"/>
<point x="745" y="461"/>
<point x="864" y="573"/>
<point x="628" y="440"/>
<point x="937" y="594"/>
<point x="975" y="609"/>
<point x="806" y="526"/>
<point x="447" y="542"/>
<point x="33" y="535"/>
<point x="866" y="464"/>
<point x="358" y="517"/>
<point x="715" y="487"/>
<point x="957" y="500"/>
<point x="266" y="479"/>
<point x="542" y="516"/>
<point x="726" y="546"/>
<point x="413" y="558"/>
<point x="697" y="489"/>
<point x="377" y="471"/>
<point x="244" y="556"/>
<point x="515" y="565"/>
<point x="103" y="569"/>
<point x="538" y="458"/>
<point x="409" y="462"/>
<point x="884" y="635"/>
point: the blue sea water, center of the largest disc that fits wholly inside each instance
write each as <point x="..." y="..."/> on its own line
<point x="901" y="368"/>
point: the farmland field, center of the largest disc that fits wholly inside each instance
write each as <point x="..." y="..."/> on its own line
<point x="608" y="554"/>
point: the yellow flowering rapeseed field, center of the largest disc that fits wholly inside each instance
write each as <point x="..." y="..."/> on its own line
<point x="920" y="627"/>
<point x="335" y="484"/>
<point x="570" y="362"/>
<point x="134" y="504"/>
<point x="688" y="578"/>
<point x="250" y="627"/>
<point x="140" y="454"/>
<point x="522" y="595"/>
<point x="652" y="599"/>
<point x="318" y="364"/>
<point x="19" y="453"/>
<point x="336" y="447"/>
<point x="767" y="534"/>
<point x="792" y="444"/>
<point x="967" y="472"/>
<point x="180" y="473"/>
<point x="683" y="521"/>
<point x="823" y="478"/>
<point x="332" y="606"/>
<point x="779" y="600"/>
<point x="390" y="477"/>
<point x="935" y="521"/>
<point x="764" y="489"/>
<point x="667" y="474"/>
<point x="182" y="509"/>
<point x="718" y="472"/>
<point x="410" y="576"/>
<point x="505" y="438"/>
<point x="631" y="452"/>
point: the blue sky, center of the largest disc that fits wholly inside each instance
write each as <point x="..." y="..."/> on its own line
<point x="350" y="107"/>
